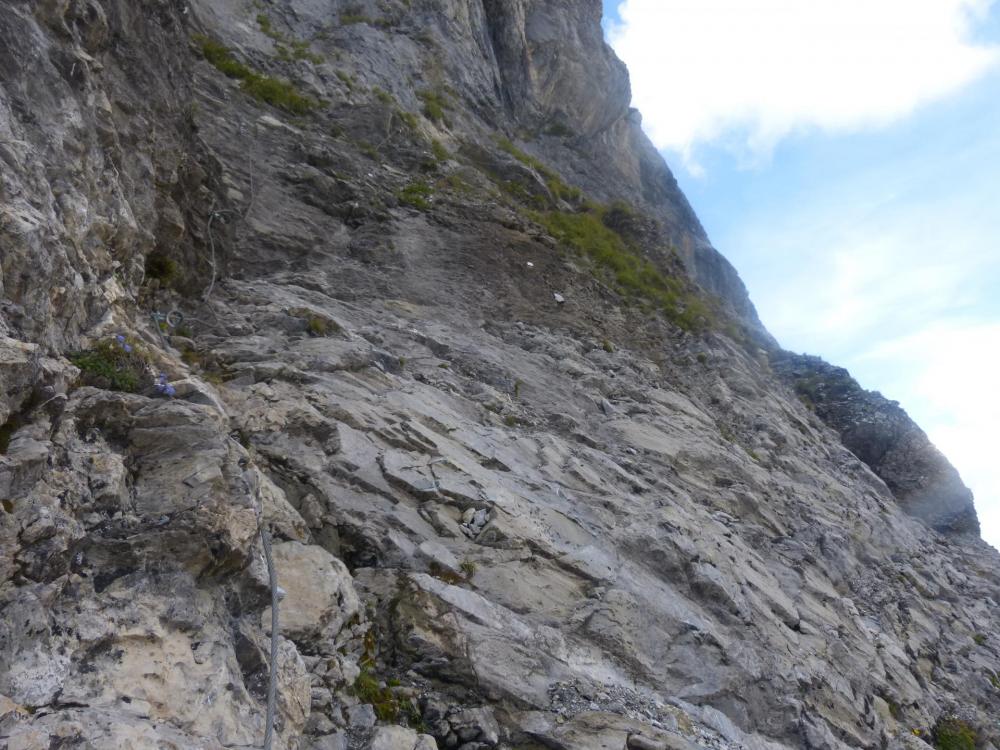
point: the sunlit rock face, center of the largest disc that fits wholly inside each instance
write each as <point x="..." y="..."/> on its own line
<point x="405" y="284"/>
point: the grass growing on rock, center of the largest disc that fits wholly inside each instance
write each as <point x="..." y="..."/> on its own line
<point x="416" y="194"/>
<point x="353" y="14"/>
<point x="368" y="688"/>
<point x="435" y="104"/>
<point x="439" y="151"/>
<point x="288" y="49"/>
<point x="161" y="268"/>
<point x="604" y="235"/>
<point x="274" y="91"/>
<point x="559" y="189"/>
<point x="954" y="734"/>
<point x="116" y="363"/>
<point x="319" y="326"/>
<point x="559" y="130"/>
<point x="347" y="79"/>
<point x="407" y="118"/>
<point x="586" y="233"/>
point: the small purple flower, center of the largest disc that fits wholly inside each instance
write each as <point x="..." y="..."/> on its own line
<point x="162" y="386"/>
<point x="124" y="344"/>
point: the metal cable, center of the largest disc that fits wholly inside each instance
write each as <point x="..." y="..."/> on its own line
<point x="272" y="685"/>
<point x="251" y="482"/>
<point x="211" y="242"/>
<point x="155" y="317"/>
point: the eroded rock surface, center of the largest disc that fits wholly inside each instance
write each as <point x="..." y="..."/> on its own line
<point x="523" y="493"/>
<point x="881" y="434"/>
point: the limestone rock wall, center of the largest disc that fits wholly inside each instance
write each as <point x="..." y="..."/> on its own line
<point x="303" y="264"/>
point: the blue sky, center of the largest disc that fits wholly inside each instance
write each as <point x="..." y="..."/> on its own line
<point x="853" y="178"/>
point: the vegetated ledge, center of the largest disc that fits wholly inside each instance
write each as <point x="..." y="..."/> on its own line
<point x="880" y="433"/>
<point x="635" y="276"/>
<point x="636" y="269"/>
<point x="273" y="91"/>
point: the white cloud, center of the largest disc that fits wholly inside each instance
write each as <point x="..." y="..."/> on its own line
<point x="753" y="71"/>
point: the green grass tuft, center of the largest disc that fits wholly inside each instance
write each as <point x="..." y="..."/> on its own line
<point x="439" y="151"/>
<point x="320" y="326"/>
<point x="288" y="49"/>
<point x="108" y="365"/>
<point x="347" y="79"/>
<point x="954" y="734"/>
<point x="276" y="92"/>
<point x="382" y="699"/>
<point x="556" y="185"/>
<point x="416" y="194"/>
<point x="264" y="22"/>
<point x="161" y="268"/>
<point x="219" y="55"/>
<point x="435" y="104"/>
<point x="368" y="688"/>
<point x="353" y="14"/>
<point x="636" y="276"/>
<point x="409" y="119"/>
<point x="368" y="150"/>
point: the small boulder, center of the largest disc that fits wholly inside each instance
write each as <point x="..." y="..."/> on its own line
<point x="319" y="593"/>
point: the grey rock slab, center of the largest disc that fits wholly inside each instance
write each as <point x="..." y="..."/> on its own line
<point x="393" y="738"/>
<point x="475" y="724"/>
<point x="336" y="741"/>
<point x="591" y="562"/>
<point x="437" y="554"/>
<point x="319" y="592"/>
<point x="475" y="606"/>
<point x="361" y="716"/>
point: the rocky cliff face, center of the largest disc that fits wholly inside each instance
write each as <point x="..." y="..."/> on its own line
<point x="404" y="284"/>
<point x="880" y="433"/>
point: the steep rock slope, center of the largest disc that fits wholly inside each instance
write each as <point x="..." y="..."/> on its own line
<point x="453" y="335"/>
<point x="881" y="434"/>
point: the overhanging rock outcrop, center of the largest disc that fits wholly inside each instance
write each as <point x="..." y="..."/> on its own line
<point x="879" y="432"/>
